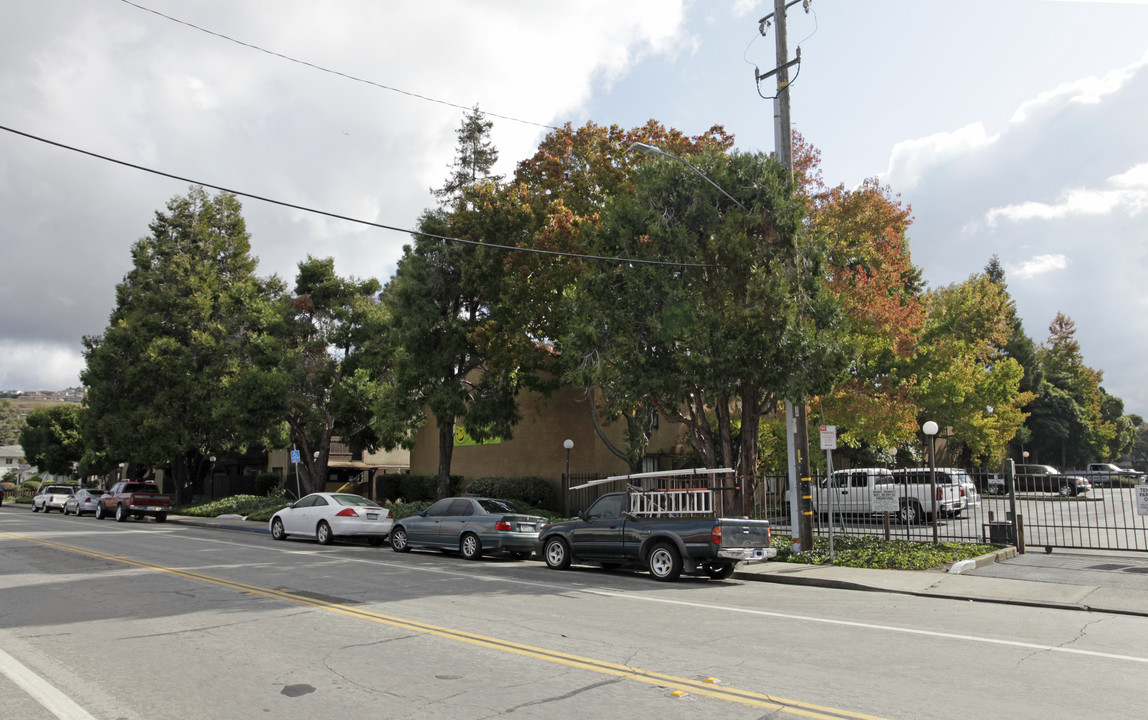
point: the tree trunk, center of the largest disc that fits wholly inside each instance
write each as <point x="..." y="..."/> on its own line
<point x="445" y="452"/>
<point x="748" y="453"/>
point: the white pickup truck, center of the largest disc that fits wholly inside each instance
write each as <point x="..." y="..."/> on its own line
<point x="1110" y="475"/>
<point x="850" y="492"/>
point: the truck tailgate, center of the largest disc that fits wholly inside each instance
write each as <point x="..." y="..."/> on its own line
<point x="744" y="533"/>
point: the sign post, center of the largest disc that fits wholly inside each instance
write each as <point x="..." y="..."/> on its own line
<point x="295" y="461"/>
<point x="829" y="444"/>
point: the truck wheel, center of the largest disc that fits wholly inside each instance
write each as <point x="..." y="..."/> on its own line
<point x="557" y="554"/>
<point x="910" y="512"/>
<point x="664" y="562"/>
<point x="161" y="517"/>
<point x="718" y="571"/>
<point x="470" y="547"/>
<point x="121" y="513"/>
<point x="1065" y="490"/>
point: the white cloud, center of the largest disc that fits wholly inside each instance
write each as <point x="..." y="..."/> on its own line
<point x="39" y="366"/>
<point x="1130" y="194"/>
<point x="1087" y="91"/>
<point x="1038" y="265"/>
<point x="911" y="159"/>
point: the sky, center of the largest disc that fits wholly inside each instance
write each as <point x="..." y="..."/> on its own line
<point x="1016" y="128"/>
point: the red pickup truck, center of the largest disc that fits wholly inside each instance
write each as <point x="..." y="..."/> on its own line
<point x="133" y="499"/>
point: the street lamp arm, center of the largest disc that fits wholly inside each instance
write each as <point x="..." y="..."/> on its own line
<point x="652" y="150"/>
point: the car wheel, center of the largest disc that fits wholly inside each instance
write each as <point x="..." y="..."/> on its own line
<point x="375" y="540"/>
<point x="277" y="531"/>
<point x="100" y="512"/>
<point x="718" y="571"/>
<point x="1065" y="490"/>
<point x="35" y="508"/>
<point x="557" y="554"/>
<point x="323" y="533"/>
<point x="664" y="562"/>
<point x="161" y="517"/>
<point x="399" y="540"/>
<point x="121" y="513"/>
<point x="470" y="546"/>
<point x="910" y="512"/>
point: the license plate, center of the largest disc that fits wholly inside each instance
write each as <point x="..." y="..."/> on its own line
<point x="372" y="516"/>
<point x="527" y="528"/>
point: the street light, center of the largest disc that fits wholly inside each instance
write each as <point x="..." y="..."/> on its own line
<point x="930" y="428"/>
<point x="651" y="150"/>
<point x="569" y="445"/>
<point x="211" y="476"/>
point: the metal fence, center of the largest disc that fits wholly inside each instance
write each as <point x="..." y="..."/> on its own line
<point x="1105" y="518"/>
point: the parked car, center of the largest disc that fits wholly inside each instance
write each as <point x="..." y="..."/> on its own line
<point x="51" y="497"/>
<point x="963" y="485"/>
<point x="82" y="501"/>
<point x="472" y="526"/>
<point x="1110" y="475"/>
<point x="326" y="516"/>
<point x="1046" y="478"/>
<point x="133" y="499"/>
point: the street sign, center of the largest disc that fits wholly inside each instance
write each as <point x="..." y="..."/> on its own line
<point x="828" y="437"/>
<point x="885" y="499"/>
<point x="295" y="457"/>
<point x="1142" y="499"/>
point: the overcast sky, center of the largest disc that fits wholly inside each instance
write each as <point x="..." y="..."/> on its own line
<point x="1013" y="127"/>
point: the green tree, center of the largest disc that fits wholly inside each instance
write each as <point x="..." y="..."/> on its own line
<point x="964" y="380"/>
<point x="317" y="367"/>
<point x="455" y="355"/>
<point x="745" y="320"/>
<point x="475" y="157"/>
<point x="10" y="422"/>
<point x="52" y="439"/>
<point x="162" y="377"/>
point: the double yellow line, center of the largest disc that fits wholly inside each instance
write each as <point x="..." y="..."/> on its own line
<point x="671" y="682"/>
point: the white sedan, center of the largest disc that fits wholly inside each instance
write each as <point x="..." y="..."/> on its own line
<point x="325" y="516"/>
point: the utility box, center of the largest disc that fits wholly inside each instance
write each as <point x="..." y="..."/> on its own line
<point x="1000" y="532"/>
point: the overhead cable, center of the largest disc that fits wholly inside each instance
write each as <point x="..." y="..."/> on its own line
<point x="332" y="72"/>
<point x="240" y="193"/>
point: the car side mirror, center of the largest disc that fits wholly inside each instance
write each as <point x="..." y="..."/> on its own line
<point x="583" y="516"/>
<point x="422" y="513"/>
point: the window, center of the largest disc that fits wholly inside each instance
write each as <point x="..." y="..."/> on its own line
<point x="460" y="508"/>
<point x="607" y="507"/>
<point x="438" y="509"/>
<point x="497" y="507"/>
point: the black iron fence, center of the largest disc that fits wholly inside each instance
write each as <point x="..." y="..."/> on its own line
<point x="1103" y="518"/>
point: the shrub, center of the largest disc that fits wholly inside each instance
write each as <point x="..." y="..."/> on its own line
<point x="872" y="551"/>
<point x="533" y="491"/>
<point x="413" y="488"/>
<point x="266" y="482"/>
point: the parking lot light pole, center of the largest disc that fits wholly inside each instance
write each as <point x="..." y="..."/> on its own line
<point x="930" y="428"/>
<point x="569" y="445"/>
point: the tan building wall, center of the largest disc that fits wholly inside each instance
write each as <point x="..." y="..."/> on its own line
<point x="536" y="449"/>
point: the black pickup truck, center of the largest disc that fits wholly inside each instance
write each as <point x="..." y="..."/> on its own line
<point x="611" y="533"/>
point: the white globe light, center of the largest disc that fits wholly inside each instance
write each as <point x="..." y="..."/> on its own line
<point x="930" y="428"/>
<point x="568" y="444"/>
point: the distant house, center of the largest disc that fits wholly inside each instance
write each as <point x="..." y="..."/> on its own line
<point x="12" y="458"/>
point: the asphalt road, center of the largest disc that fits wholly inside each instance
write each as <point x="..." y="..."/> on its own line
<point x="149" y="621"/>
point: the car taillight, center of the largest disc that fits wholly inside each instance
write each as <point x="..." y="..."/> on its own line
<point x="962" y="491"/>
<point x="502" y="525"/>
<point x="347" y="512"/>
<point x="715" y="537"/>
<point x="940" y="493"/>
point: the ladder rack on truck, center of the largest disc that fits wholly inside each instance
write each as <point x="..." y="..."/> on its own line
<point x="669" y="493"/>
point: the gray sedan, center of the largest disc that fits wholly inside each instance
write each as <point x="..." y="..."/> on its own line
<point x="472" y="526"/>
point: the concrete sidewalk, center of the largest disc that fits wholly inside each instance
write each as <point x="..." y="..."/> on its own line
<point x="1069" y="590"/>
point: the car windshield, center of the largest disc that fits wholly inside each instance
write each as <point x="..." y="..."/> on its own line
<point x="354" y="501"/>
<point x="494" y="506"/>
<point x="59" y="490"/>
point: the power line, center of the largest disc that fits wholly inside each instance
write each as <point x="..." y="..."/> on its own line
<point x="330" y="71"/>
<point x="336" y="216"/>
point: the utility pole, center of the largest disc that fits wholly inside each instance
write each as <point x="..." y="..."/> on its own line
<point x="801" y="495"/>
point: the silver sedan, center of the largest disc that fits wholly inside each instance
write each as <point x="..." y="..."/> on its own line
<point x="82" y="501"/>
<point x="326" y="516"/>
<point x="472" y="526"/>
